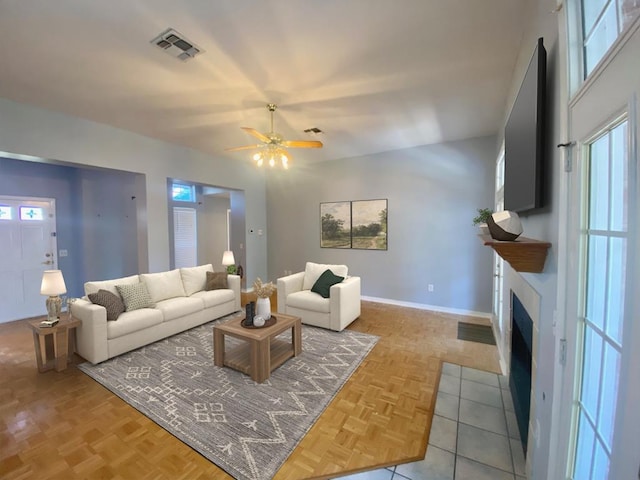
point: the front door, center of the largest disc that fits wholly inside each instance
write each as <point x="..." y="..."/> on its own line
<point x="28" y="245"/>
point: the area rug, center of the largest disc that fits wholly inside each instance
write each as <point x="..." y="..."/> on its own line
<point x="245" y="428"/>
<point x="476" y="333"/>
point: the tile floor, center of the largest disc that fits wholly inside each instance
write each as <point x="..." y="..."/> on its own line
<point x="474" y="433"/>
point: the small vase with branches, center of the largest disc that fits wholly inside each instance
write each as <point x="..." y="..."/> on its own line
<point x="263" y="292"/>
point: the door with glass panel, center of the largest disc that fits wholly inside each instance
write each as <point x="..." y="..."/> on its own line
<point x="28" y="245"/>
<point x="600" y="384"/>
<point x="604" y="241"/>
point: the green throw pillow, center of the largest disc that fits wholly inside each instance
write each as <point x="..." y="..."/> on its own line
<point x="325" y="282"/>
<point x="110" y="301"/>
<point x="135" y="296"/>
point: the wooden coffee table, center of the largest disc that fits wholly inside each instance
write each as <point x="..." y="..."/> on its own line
<point x="260" y="352"/>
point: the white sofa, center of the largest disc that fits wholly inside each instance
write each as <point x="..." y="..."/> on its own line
<point x="181" y="302"/>
<point x="335" y="313"/>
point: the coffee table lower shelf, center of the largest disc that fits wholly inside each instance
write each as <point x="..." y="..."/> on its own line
<point x="239" y="358"/>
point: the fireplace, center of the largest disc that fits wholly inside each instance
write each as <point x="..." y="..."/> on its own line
<point x="520" y="370"/>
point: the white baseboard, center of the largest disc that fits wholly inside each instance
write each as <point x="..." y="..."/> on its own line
<point x="435" y="308"/>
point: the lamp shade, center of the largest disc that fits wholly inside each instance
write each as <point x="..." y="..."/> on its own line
<point x="52" y="283"/>
<point x="227" y="258"/>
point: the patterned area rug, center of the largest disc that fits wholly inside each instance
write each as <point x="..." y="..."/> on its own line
<point x="245" y="428"/>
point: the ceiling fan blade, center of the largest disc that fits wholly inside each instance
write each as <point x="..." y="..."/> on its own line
<point x="246" y="147"/>
<point x="302" y="144"/>
<point x="257" y="134"/>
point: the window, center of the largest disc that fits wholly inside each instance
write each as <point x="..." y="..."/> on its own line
<point x="185" y="237"/>
<point x="183" y="193"/>
<point x="31" y="213"/>
<point x="602" y="23"/>
<point x="605" y="236"/>
<point x="6" y="212"/>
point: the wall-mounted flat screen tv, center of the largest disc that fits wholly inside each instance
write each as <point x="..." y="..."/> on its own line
<point x="524" y="139"/>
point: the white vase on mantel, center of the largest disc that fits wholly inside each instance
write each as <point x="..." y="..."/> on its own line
<point x="263" y="308"/>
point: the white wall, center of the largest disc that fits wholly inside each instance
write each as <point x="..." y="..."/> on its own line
<point x="26" y="130"/>
<point x="433" y="192"/>
<point x="541" y="225"/>
<point x="212" y="237"/>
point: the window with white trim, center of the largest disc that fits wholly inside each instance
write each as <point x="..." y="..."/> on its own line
<point x="602" y="23"/>
<point x="185" y="237"/>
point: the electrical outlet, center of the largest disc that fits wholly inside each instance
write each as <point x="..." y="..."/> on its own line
<point x="63" y="253"/>
<point x="430" y="287"/>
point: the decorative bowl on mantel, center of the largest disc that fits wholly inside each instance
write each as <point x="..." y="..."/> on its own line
<point x="504" y="226"/>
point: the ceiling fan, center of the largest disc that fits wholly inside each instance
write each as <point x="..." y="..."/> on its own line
<point x="273" y="146"/>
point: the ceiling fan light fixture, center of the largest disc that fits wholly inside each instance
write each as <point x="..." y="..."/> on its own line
<point x="274" y="147"/>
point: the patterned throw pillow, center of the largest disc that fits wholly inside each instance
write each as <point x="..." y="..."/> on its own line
<point x="216" y="281"/>
<point x="110" y="301"/>
<point x="135" y="296"/>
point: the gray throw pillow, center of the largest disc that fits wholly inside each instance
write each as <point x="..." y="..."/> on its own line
<point x="135" y="296"/>
<point x="216" y="281"/>
<point x="110" y="301"/>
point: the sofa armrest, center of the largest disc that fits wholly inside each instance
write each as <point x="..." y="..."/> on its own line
<point x="286" y="286"/>
<point x="344" y="298"/>
<point x="233" y="282"/>
<point x="91" y="335"/>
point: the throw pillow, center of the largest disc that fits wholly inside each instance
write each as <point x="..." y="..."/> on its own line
<point x="110" y="301"/>
<point x="325" y="282"/>
<point x="216" y="281"/>
<point x="135" y="296"/>
<point x="312" y="272"/>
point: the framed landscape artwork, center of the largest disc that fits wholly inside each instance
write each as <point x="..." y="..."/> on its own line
<point x="336" y="225"/>
<point x="360" y="224"/>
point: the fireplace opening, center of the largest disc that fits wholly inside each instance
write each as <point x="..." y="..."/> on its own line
<point x="520" y="370"/>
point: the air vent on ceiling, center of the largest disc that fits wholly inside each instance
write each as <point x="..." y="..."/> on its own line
<point x="176" y="45"/>
<point x="314" y="130"/>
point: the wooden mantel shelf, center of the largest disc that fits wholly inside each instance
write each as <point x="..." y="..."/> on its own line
<point x="523" y="254"/>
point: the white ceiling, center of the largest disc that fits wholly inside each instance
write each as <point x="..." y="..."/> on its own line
<point x="374" y="75"/>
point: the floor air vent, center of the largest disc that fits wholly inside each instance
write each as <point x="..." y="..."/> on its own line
<point x="176" y="45"/>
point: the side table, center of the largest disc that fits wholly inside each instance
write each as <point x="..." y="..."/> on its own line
<point x="53" y="345"/>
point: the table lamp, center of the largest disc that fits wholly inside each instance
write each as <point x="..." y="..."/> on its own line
<point x="228" y="260"/>
<point x="53" y="285"/>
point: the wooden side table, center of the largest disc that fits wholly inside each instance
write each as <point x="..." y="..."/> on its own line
<point x="54" y="345"/>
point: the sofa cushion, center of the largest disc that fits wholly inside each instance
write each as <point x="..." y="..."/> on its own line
<point x="325" y="282"/>
<point x="307" y="300"/>
<point x="173" y="308"/>
<point x="195" y="278"/>
<point x="164" y="285"/>
<point x="133" y="321"/>
<point x="213" y="298"/>
<point x="135" y="296"/>
<point x="216" y="281"/>
<point x="313" y="271"/>
<point x="110" y="301"/>
<point x="110" y="285"/>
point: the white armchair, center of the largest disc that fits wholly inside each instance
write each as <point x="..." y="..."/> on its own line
<point x="335" y="313"/>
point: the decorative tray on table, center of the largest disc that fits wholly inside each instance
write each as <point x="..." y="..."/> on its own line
<point x="267" y="323"/>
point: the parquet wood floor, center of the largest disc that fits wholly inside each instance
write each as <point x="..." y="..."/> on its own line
<point x="65" y="425"/>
